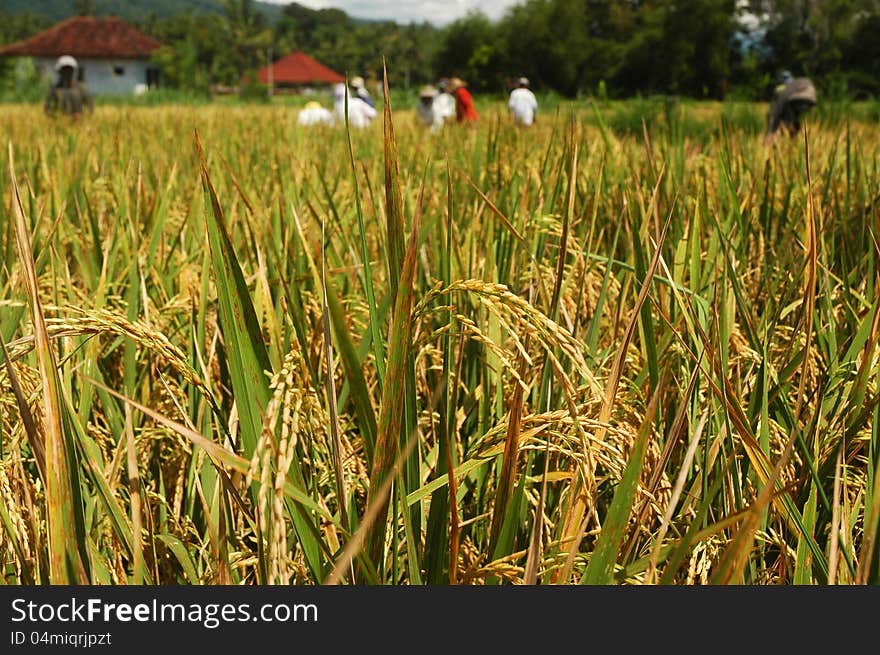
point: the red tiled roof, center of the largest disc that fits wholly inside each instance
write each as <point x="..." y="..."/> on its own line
<point x="299" y="68"/>
<point x="89" y="37"/>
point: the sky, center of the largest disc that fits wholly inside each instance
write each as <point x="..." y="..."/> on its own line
<point x="438" y="12"/>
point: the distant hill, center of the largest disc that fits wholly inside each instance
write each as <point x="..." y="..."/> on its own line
<point x="57" y="10"/>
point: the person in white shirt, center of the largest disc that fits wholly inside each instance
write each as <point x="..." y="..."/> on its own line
<point x="426" y="110"/>
<point x="360" y="114"/>
<point x="523" y="105"/>
<point x="314" y="114"/>
<point x="360" y="89"/>
<point x="444" y="103"/>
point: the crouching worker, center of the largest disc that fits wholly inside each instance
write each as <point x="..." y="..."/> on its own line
<point x="793" y="98"/>
<point x="314" y="114"/>
<point x="68" y="95"/>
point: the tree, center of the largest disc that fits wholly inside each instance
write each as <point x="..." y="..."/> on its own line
<point x="695" y="48"/>
<point x="548" y="42"/>
<point x="470" y="48"/>
<point x="861" y="56"/>
<point x="248" y="37"/>
<point x="18" y="27"/>
<point x="681" y="48"/>
<point x="84" y="7"/>
<point x="832" y="41"/>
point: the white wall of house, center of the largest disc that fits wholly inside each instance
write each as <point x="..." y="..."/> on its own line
<point x="105" y="76"/>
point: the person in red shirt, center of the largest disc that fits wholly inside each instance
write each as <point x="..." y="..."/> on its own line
<point x="465" y="112"/>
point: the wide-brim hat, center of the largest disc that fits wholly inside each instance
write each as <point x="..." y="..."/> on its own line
<point x="427" y="91"/>
<point x="312" y="104"/>
<point x="357" y="82"/>
<point x="800" y="89"/>
<point x="523" y="81"/>
<point x="456" y="83"/>
<point x="65" y="61"/>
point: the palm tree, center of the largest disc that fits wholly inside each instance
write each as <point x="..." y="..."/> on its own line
<point x="248" y="35"/>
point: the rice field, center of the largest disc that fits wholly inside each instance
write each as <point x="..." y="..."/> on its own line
<point x="235" y="351"/>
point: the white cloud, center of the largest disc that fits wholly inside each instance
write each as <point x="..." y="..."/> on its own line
<point x="435" y="11"/>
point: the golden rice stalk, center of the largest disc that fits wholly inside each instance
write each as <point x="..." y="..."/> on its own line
<point x="66" y="564"/>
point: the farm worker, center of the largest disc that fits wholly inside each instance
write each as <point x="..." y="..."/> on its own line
<point x="314" y="114"/>
<point x="792" y="99"/>
<point x="68" y="95"/>
<point x="523" y="105"/>
<point x="444" y="104"/>
<point x="426" y="110"/>
<point x="360" y="114"/>
<point x="465" y="112"/>
<point x="360" y="89"/>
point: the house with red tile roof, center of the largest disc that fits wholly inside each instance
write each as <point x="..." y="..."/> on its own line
<point x="298" y="72"/>
<point x="113" y="56"/>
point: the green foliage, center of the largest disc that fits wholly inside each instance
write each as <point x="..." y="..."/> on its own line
<point x="84" y="7"/>
<point x="698" y="49"/>
<point x="572" y="46"/>
<point x="630" y="117"/>
<point x="56" y="10"/>
<point x="255" y="91"/>
<point x="470" y="49"/>
<point x="17" y="26"/>
<point x="210" y="49"/>
<point x="835" y="42"/>
<point x="357" y="48"/>
<point x="20" y="81"/>
<point x="743" y="116"/>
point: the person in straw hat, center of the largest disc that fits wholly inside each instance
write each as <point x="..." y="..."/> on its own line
<point x="68" y="95"/>
<point x="426" y="110"/>
<point x="465" y="112"/>
<point x="793" y="98"/>
<point x="523" y="105"/>
<point x="314" y="114"/>
<point x="360" y="90"/>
